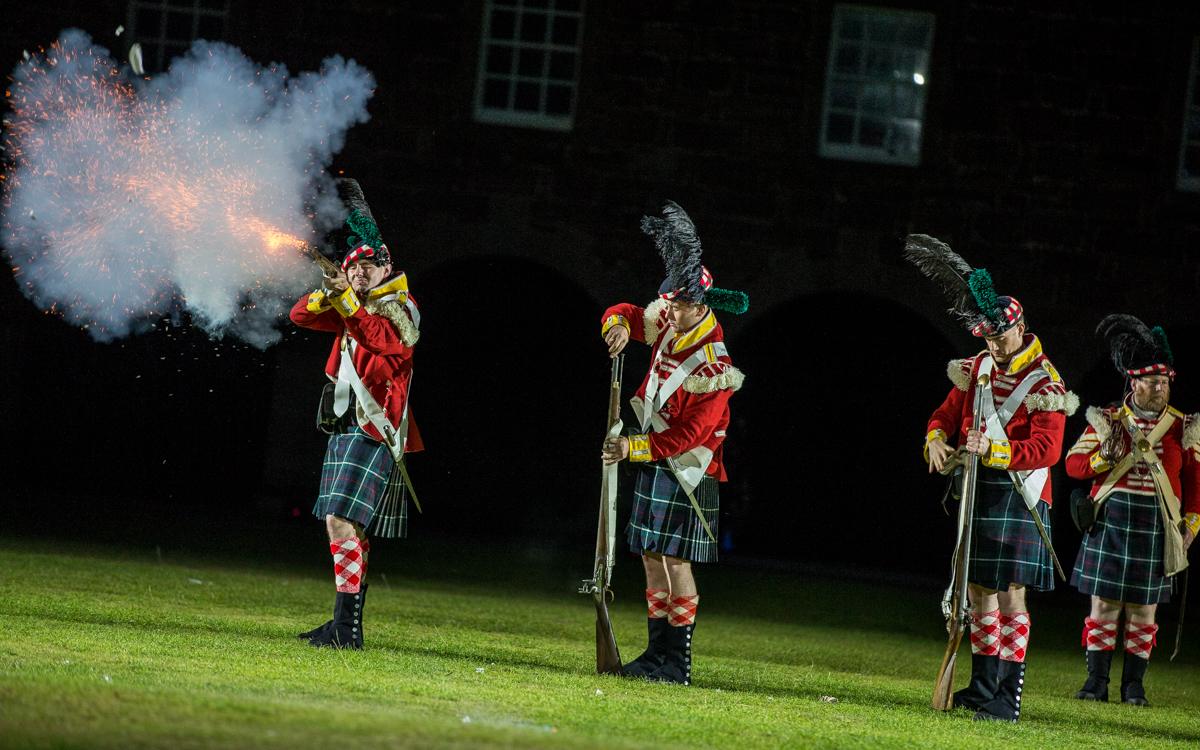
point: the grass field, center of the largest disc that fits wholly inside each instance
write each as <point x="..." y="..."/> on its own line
<point x="109" y="649"/>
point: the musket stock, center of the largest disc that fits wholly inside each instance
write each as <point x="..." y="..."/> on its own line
<point x="959" y="602"/>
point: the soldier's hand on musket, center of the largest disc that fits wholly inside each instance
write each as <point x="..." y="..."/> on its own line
<point x="939" y="453"/>
<point x="1114" y="446"/>
<point x="336" y="283"/>
<point x="616" y="338"/>
<point x="1188" y="538"/>
<point x="978" y="443"/>
<point x="614" y="449"/>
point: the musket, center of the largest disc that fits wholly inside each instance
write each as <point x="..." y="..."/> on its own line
<point x="328" y="267"/>
<point x="608" y="658"/>
<point x="956" y="605"/>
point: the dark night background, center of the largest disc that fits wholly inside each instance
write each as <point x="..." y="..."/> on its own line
<point x="1051" y="149"/>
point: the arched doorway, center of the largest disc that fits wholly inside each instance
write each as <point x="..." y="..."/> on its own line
<point x="825" y="449"/>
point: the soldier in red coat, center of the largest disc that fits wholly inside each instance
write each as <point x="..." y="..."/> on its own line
<point x="364" y="409"/>
<point x="682" y="410"/>
<point x="1024" y="411"/>
<point x="1143" y="458"/>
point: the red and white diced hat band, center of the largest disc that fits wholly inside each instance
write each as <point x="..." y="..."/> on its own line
<point x="1158" y="368"/>
<point x="1010" y="311"/>
<point x="366" y="252"/>
<point x="666" y="292"/>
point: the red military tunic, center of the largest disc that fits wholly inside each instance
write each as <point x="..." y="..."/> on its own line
<point x="1035" y="431"/>
<point x="1179" y="450"/>
<point x="383" y="355"/>
<point x="697" y="413"/>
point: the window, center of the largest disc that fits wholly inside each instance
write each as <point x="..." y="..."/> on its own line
<point x="875" y="85"/>
<point x="1189" y="148"/>
<point x="529" y="63"/>
<point x="166" y="28"/>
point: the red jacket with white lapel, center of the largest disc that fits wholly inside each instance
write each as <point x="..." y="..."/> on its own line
<point x="384" y="351"/>
<point x="1035" y="431"/>
<point x="697" y="413"/>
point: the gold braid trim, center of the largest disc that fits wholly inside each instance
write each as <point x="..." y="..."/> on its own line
<point x="398" y="315"/>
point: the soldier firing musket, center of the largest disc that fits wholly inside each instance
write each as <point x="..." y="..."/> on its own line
<point x="1018" y="436"/>
<point x="364" y="409"/>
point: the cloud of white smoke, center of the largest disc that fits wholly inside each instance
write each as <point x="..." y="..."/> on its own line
<point x="128" y="200"/>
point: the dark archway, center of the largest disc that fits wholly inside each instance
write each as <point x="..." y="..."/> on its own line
<point x="509" y="393"/>
<point x="825" y="450"/>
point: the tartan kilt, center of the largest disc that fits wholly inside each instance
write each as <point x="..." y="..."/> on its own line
<point x="663" y="521"/>
<point x="1121" y="558"/>
<point x="1006" y="547"/>
<point x="359" y="483"/>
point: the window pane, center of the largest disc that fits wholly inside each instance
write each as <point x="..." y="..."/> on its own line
<point x="872" y="131"/>
<point x="495" y="93"/>
<point x="879" y="62"/>
<point x="882" y="30"/>
<point x="537" y="3"/>
<point x="571" y="5"/>
<point x="213" y="4"/>
<point x="849" y="59"/>
<point x="558" y="100"/>
<point x="562" y="66"/>
<point x="504" y="23"/>
<point x="149" y="23"/>
<point x="530" y="62"/>
<point x="913" y="34"/>
<point x="844" y="95"/>
<point x="211" y="27"/>
<point x="179" y="26"/>
<point x="499" y="59"/>
<point x="528" y="97"/>
<point x="565" y="30"/>
<point x="851" y="28"/>
<point x="1192" y="130"/>
<point x="876" y="98"/>
<point x="533" y="27"/>
<point x="840" y="128"/>
<point x="1191" y="162"/>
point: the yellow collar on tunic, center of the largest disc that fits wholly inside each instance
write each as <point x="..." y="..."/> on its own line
<point x="1025" y="357"/>
<point x="696" y="335"/>
<point x="397" y="286"/>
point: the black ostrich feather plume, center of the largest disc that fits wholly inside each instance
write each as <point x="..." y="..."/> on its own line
<point x="954" y="275"/>
<point x="675" y="237"/>
<point x="1133" y="344"/>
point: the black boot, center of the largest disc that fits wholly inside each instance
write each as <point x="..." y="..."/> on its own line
<point x="1006" y="706"/>
<point x="1132" y="691"/>
<point x="323" y="630"/>
<point x="654" y="655"/>
<point x="677" y="656"/>
<point x="345" y="630"/>
<point x="985" y="677"/>
<point x="1096" y="686"/>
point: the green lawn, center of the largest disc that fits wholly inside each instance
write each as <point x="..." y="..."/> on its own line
<point x="109" y="649"/>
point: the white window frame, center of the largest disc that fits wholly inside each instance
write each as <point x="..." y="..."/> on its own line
<point x="525" y="118"/>
<point x="1191" y="111"/>
<point x="919" y="78"/>
<point x="155" y="41"/>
